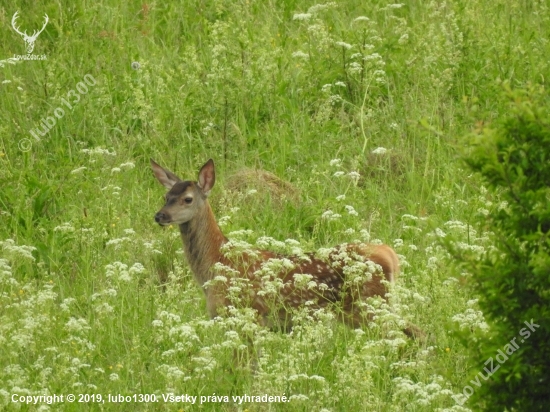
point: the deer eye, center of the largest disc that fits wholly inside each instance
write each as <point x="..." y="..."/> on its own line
<point x="188" y="200"/>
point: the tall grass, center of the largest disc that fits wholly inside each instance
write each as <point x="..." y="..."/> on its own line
<point x="353" y="103"/>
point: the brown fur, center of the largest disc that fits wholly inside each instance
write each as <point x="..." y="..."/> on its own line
<point x="187" y="206"/>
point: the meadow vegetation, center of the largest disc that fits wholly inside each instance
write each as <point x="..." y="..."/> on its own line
<point x="328" y="122"/>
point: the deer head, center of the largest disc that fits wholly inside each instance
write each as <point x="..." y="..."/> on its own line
<point x="29" y="40"/>
<point x="184" y="198"/>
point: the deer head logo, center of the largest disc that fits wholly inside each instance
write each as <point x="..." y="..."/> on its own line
<point x="29" y="40"/>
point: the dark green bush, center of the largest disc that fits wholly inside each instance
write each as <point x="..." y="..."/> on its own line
<point x="513" y="279"/>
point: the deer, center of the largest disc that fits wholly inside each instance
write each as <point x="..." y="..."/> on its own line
<point x="186" y="205"/>
<point x="29" y="40"/>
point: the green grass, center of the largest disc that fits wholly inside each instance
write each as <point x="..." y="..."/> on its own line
<point x="104" y="303"/>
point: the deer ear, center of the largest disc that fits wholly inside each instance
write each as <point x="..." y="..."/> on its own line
<point x="165" y="177"/>
<point x="207" y="177"/>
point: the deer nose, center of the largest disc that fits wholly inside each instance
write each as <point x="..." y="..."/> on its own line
<point x="159" y="217"/>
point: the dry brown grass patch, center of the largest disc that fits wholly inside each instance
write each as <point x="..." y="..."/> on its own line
<point x="266" y="183"/>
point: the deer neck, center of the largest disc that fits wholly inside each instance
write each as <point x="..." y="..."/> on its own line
<point x="202" y="239"/>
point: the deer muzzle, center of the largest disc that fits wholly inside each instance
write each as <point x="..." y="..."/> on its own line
<point x="162" y="218"/>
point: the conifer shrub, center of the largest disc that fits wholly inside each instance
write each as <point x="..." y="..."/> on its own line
<point x="511" y="362"/>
